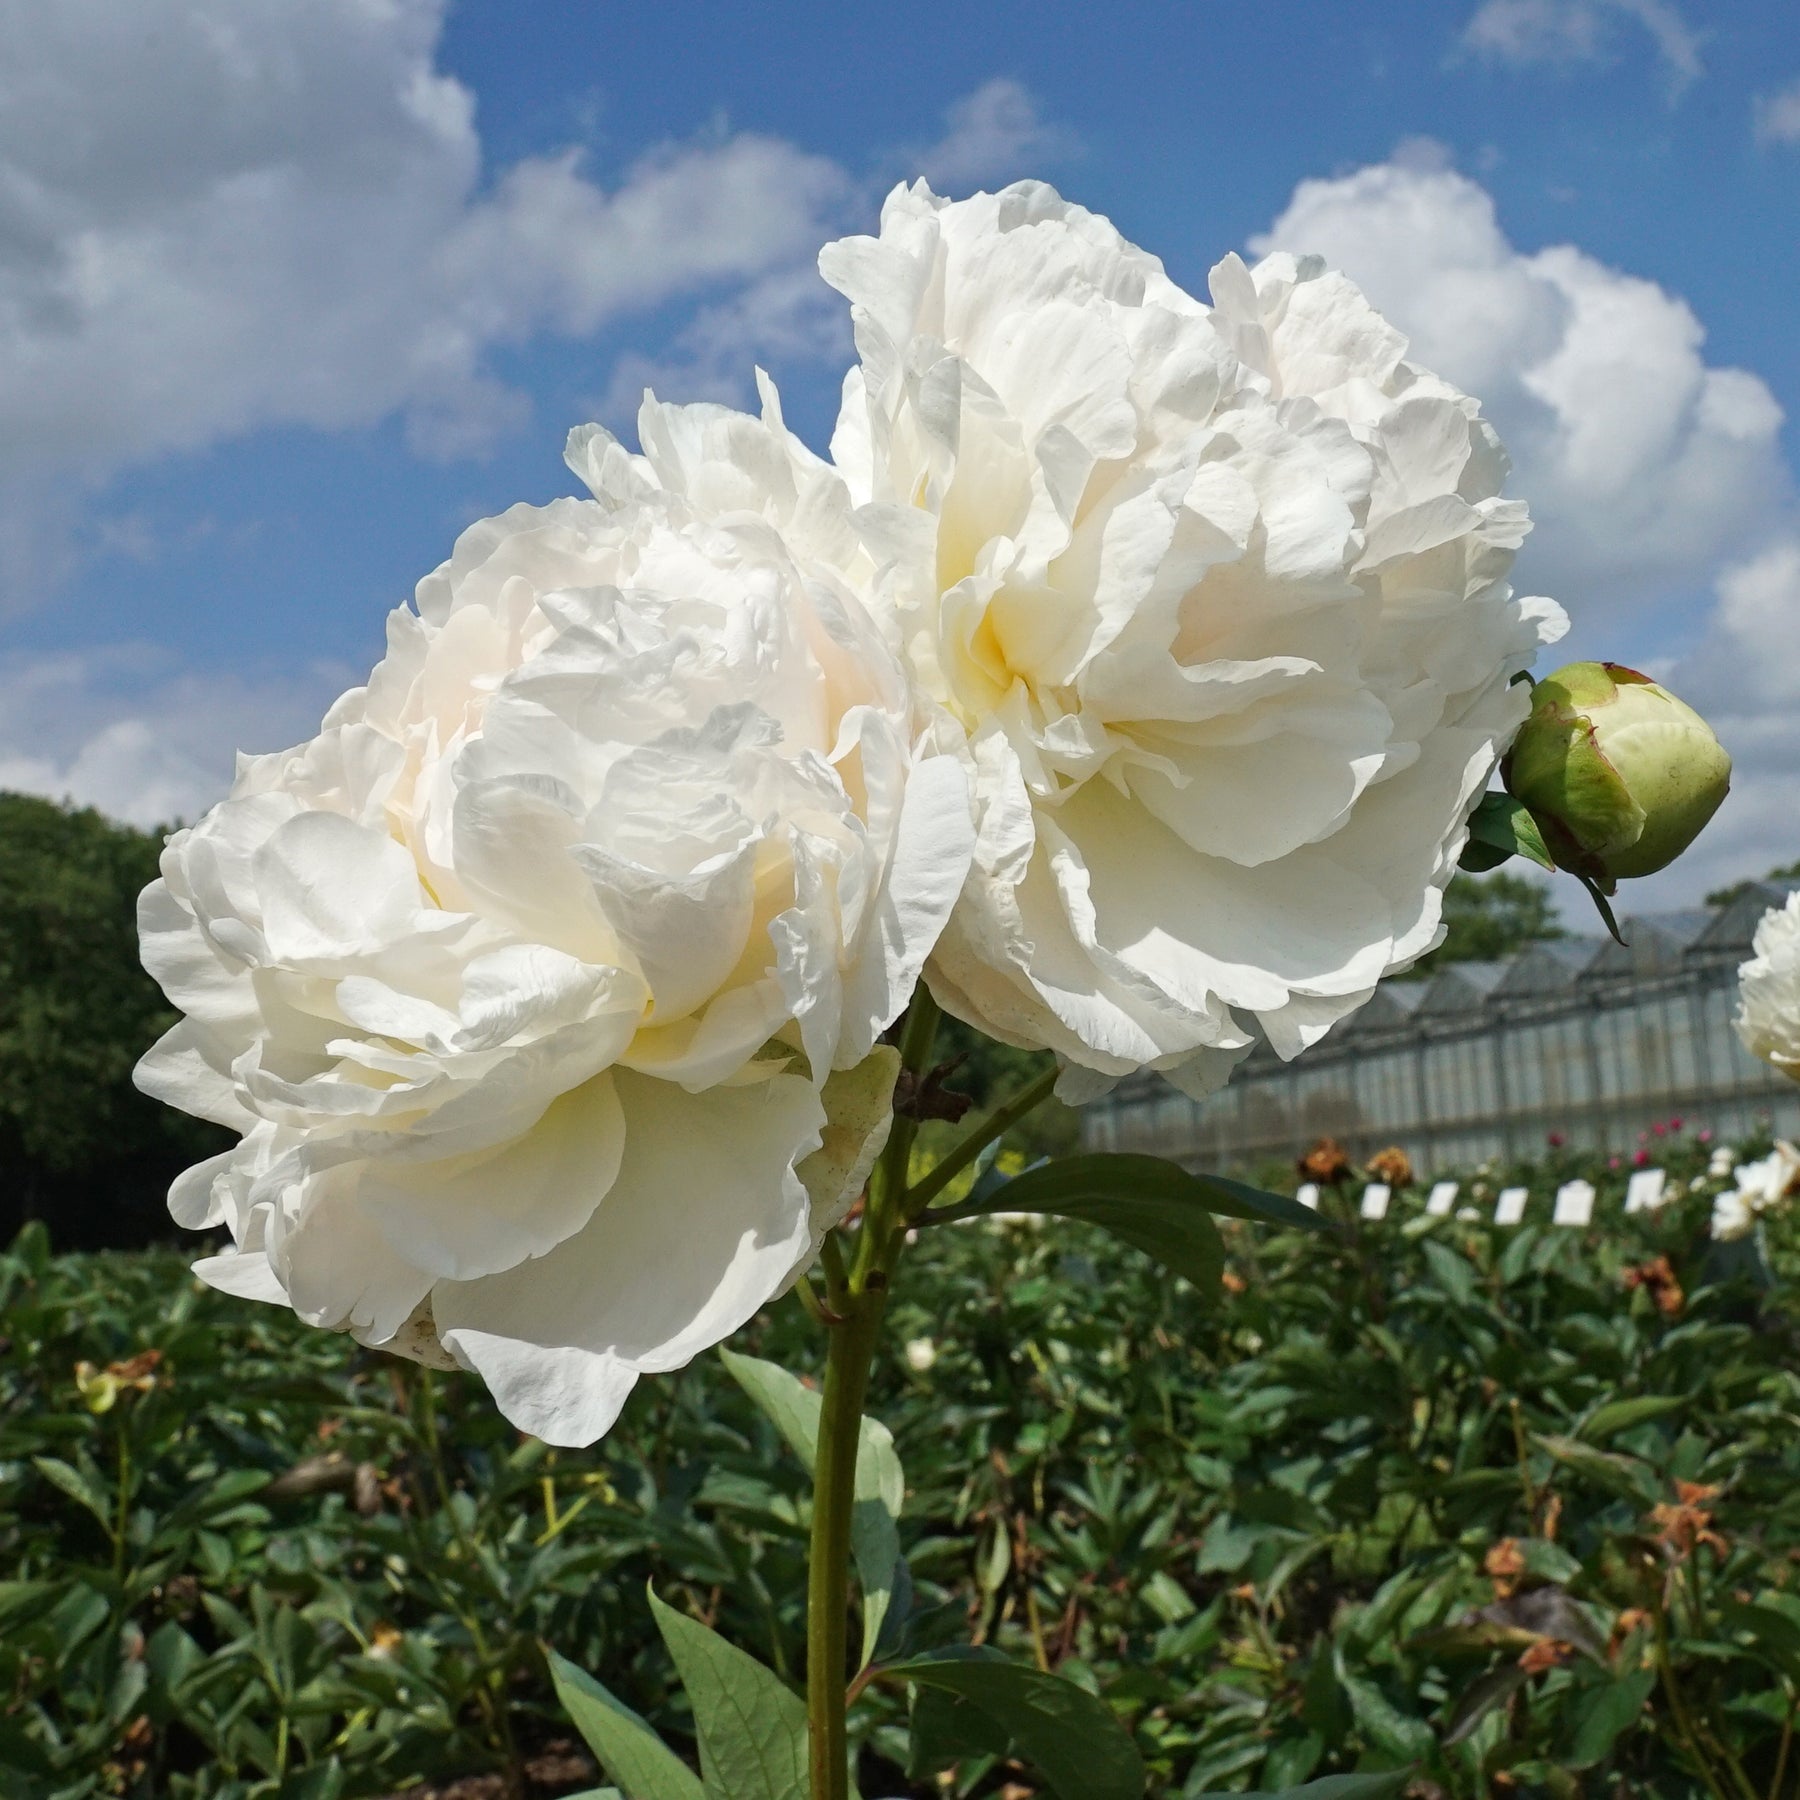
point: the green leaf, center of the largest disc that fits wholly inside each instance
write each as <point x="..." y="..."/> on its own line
<point x="1625" y="1475"/>
<point x="1381" y="1722"/>
<point x="77" y="1486"/>
<point x="1155" y="1206"/>
<point x="1236" y="1200"/>
<point x="1601" y="905"/>
<point x="752" y="1728"/>
<point x="1621" y="1415"/>
<point x="1499" y="828"/>
<point x="1061" y="1729"/>
<point x="1331" y="1787"/>
<point x="1608" y="1715"/>
<point x="1774" y="1633"/>
<point x="794" y="1410"/>
<point x="629" y="1751"/>
<point x="948" y="1729"/>
<point x="1493" y="1689"/>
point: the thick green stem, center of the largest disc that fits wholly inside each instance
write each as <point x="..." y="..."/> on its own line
<point x="834" y="1500"/>
<point x="858" y="1299"/>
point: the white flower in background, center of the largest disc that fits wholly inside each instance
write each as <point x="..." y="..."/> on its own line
<point x="1768" y="1015"/>
<point x="1732" y="1215"/>
<point x="1215" y="603"/>
<point x="1771" y="1178"/>
<point x="921" y="1355"/>
<point x="526" y="980"/>
<point x="1761" y="1185"/>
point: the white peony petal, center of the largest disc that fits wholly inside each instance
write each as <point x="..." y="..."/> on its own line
<point x="490" y="1210"/>
<point x="706" y="1197"/>
<point x="933" y="845"/>
<point x="332" y="888"/>
<point x="245" y="1274"/>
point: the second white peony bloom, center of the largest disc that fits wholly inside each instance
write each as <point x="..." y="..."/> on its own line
<point x="1213" y="601"/>
<point x="1768" y="1016"/>
<point x="543" y="984"/>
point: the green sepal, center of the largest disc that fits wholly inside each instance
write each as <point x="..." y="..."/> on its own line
<point x="1499" y="828"/>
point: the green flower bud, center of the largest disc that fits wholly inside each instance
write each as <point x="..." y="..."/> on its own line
<point x="1619" y="774"/>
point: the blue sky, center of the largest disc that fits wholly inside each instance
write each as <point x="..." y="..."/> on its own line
<point x="291" y="290"/>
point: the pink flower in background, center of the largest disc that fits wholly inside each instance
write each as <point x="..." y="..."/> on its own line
<point x="1640" y="1158"/>
<point x="1557" y="1140"/>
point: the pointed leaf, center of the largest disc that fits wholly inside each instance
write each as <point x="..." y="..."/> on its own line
<point x="1606" y="1716"/>
<point x="752" y="1728"/>
<point x="629" y="1751"/>
<point x="1500" y="827"/>
<point x="1061" y="1729"/>
<point x="1621" y="1415"/>
<point x="77" y="1486"/>
<point x="1155" y="1206"/>
<point x="1237" y="1200"/>
<point x="1376" y="1786"/>
<point x="794" y="1410"/>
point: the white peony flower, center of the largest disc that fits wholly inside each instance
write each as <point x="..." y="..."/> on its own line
<point x="1733" y="1215"/>
<point x="1768" y="1015"/>
<point x="1214" y="602"/>
<point x="543" y="983"/>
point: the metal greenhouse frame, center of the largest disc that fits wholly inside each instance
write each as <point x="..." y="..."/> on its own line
<point x="1592" y="1040"/>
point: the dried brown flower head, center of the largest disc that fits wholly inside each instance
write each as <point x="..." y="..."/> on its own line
<point x="1658" y="1278"/>
<point x="1327" y="1160"/>
<point x="1505" y="1564"/>
<point x="1391" y="1165"/>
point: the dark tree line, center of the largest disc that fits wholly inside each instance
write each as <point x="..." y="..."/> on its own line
<point x="80" y="1148"/>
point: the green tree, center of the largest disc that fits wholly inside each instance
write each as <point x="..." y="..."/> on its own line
<point x="79" y="1145"/>
<point x="1490" y="916"/>
<point x="1725" y="895"/>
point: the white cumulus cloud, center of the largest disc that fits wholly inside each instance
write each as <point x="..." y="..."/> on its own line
<point x="1778" y="115"/>
<point x="127" y="729"/>
<point x="1744" y="676"/>
<point x="231" y="215"/>
<point x="1644" y="464"/>
<point x="995" y="135"/>
<point x="1582" y="31"/>
<point x="243" y="213"/>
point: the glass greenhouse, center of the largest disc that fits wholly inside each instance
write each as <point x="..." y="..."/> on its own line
<point x="1585" y="1038"/>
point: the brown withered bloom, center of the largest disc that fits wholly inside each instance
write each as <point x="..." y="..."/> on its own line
<point x="1659" y="1279"/>
<point x="1327" y="1160"/>
<point x="1546" y="1653"/>
<point x="1391" y="1165"/>
<point x="1505" y="1563"/>
<point x="1682" y="1528"/>
<point x="1633" y="1618"/>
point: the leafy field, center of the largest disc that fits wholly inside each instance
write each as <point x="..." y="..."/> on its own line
<point x="1520" y="1508"/>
